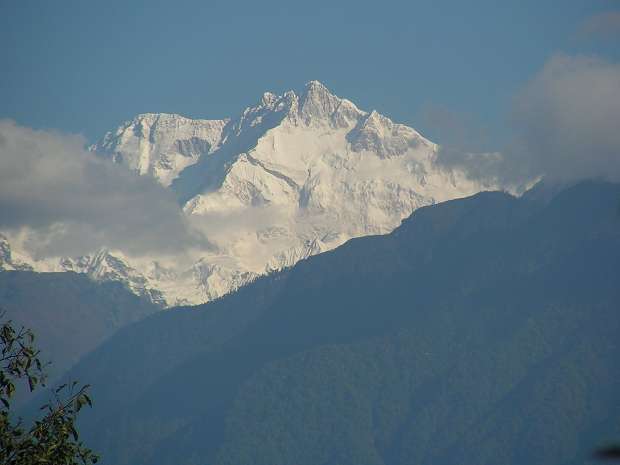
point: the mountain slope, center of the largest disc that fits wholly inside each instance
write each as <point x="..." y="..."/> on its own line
<point x="483" y="330"/>
<point x="69" y="314"/>
<point x="292" y="176"/>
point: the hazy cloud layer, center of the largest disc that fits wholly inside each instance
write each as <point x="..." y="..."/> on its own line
<point x="74" y="203"/>
<point x="565" y="127"/>
<point x="465" y="144"/>
<point x="567" y="119"/>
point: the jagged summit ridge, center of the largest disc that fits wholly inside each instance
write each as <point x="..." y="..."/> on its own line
<point x="291" y="176"/>
<point x="318" y="103"/>
<point x="160" y="145"/>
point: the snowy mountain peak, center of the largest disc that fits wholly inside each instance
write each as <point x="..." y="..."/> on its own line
<point x="317" y="93"/>
<point x="8" y="260"/>
<point x="268" y="99"/>
<point x="380" y="135"/>
<point x="312" y="105"/>
<point x="317" y="106"/>
<point x="314" y="84"/>
<point x="291" y="176"/>
<point x="160" y="145"/>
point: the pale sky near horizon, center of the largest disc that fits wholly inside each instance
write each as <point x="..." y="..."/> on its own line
<point x="84" y="67"/>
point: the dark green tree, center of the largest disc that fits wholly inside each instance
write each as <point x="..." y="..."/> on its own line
<point x="51" y="439"/>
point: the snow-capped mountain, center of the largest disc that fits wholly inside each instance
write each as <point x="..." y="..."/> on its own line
<point x="160" y="145"/>
<point x="292" y="176"/>
<point x="9" y="260"/>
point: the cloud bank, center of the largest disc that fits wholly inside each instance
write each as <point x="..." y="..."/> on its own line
<point x="567" y="119"/>
<point x="72" y="203"/>
<point x="564" y="127"/>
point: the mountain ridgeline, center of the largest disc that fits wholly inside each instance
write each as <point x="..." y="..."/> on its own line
<point x="482" y="330"/>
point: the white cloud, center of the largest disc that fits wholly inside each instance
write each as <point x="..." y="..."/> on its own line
<point x="567" y="118"/>
<point x="565" y="127"/>
<point x="72" y="202"/>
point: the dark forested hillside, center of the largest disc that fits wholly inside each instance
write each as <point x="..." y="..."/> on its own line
<point x="69" y="313"/>
<point x="483" y="330"/>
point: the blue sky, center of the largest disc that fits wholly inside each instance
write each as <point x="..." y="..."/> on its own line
<point x="84" y="67"/>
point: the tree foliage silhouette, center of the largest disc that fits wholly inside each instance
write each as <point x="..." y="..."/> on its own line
<point x="52" y="438"/>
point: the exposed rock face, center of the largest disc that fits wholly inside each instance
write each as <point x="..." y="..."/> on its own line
<point x="295" y="175"/>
